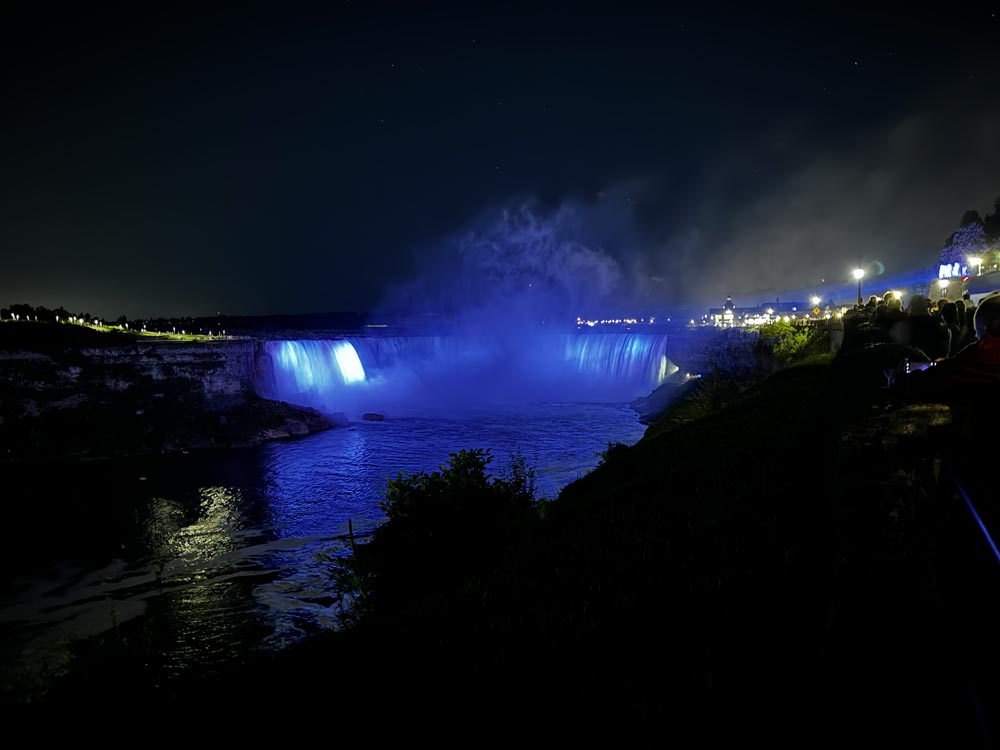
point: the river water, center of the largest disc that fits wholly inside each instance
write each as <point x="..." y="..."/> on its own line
<point x="196" y="560"/>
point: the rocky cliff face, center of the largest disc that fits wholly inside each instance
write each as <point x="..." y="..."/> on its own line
<point x="138" y="398"/>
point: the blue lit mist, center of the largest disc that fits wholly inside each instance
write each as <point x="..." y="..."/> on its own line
<point x="458" y="374"/>
<point x="502" y="294"/>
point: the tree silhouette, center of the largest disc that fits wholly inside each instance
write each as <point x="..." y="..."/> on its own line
<point x="968" y="239"/>
<point x="991" y="224"/>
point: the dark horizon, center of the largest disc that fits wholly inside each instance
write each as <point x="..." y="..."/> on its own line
<point x="163" y="162"/>
<point x="840" y="294"/>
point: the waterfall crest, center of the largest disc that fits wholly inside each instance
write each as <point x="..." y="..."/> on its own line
<point x="423" y="373"/>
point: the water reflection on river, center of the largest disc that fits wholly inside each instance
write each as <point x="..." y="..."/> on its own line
<point x="198" y="559"/>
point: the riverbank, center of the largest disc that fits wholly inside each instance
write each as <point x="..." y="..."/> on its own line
<point x="788" y="563"/>
<point x="778" y="560"/>
<point x="785" y="566"/>
<point x="70" y="392"/>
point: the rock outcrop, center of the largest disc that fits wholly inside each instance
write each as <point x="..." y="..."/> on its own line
<point x="138" y="398"/>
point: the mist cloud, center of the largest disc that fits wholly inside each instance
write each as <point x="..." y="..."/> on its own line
<point x="780" y="214"/>
<point x="891" y="198"/>
<point x="521" y="264"/>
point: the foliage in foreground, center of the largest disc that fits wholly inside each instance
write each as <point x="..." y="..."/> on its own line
<point x="789" y="344"/>
<point x="445" y="531"/>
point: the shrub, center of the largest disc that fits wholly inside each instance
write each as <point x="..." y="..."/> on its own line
<point x="444" y="531"/>
<point x="789" y="344"/>
<point x="614" y="449"/>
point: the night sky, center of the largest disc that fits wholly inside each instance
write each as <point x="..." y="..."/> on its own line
<point x="169" y="159"/>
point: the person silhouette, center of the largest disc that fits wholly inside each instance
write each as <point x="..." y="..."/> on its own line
<point x="971" y="376"/>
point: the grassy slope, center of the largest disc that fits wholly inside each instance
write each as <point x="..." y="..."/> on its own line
<point x="48" y="338"/>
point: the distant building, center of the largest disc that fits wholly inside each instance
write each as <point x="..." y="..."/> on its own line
<point x="956" y="278"/>
<point x="730" y="316"/>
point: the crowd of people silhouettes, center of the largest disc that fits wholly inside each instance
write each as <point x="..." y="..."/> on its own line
<point x="936" y="350"/>
<point x="962" y="344"/>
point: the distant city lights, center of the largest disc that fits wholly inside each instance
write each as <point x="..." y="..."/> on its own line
<point x="614" y="321"/>
<point x="731" y="316"/>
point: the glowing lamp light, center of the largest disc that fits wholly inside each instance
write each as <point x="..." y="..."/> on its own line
<point x="858" y="274"/>
<point x="978" y="263"/>
<point x="897" y="294"/>
<point x="943" y="283"/>
<point x="815" y="299"/>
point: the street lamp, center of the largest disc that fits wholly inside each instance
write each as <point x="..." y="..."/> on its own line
<point x="943" y="283"/>
<point x="978" y="263"/>
<point x="858" y="273"/>
<point x="815" y="300"/>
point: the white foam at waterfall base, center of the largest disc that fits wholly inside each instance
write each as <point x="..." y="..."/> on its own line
<point x="452" y="375"/>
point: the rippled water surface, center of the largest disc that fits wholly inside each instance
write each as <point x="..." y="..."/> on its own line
<point x="200" y="558"/>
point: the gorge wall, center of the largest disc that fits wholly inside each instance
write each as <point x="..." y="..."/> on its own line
<point x="143" y="397"/>
<point x="138" y="399"/>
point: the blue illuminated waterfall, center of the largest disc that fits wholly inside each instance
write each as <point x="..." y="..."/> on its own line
<point x="629" y="358"/>
<point x="439" y="374"/>
<point x="318" y="365"/>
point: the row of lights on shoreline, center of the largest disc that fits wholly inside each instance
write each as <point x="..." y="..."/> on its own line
<point x="125" y="327"/>
<point x="580" y="322"/>
<point x="815" y="301"/>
